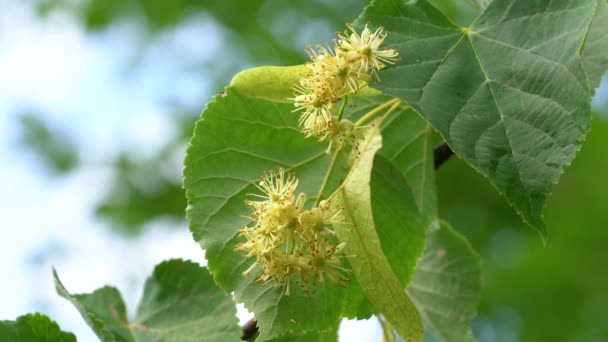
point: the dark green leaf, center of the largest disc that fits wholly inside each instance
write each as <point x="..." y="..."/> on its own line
<point x="180" y="302"/>
<point x="508" y="94"/>
<point x="33" y="327"/>
<point x="446" y="285"/>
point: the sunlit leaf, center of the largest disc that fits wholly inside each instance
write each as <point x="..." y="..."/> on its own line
<point x="269" y="82"/>
<point x="276" y="83"/>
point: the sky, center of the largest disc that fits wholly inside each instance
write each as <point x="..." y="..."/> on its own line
<point x="85" y="86"/>
<point x="48" y="220"/>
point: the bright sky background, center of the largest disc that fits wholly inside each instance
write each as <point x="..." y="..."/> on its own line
<point x="83" y="85"/>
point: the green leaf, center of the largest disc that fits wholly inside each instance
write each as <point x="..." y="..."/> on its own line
<point x="272" y="83"/>
<point x="329" y="336"/>
<point x="275" y="83"/>
<point x="480" y="4"/>
<point x="373" y="271"/>
<point x="407" y="149"/>
<point x="103" y="310"/>
<point x="446" y="286"/>
<point x="399" y="227"/>
<point x="33" y="327"/>
<point x="595" y="52"/>
<point x="179" y="302"/>
<point x="237" y="140"/>
<point x="508" y="94"/>
<point x="407" y="144"/>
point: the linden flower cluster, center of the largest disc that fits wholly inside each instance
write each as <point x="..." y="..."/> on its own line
<point x="335" y="74"/>
<point x="287" y="239"/>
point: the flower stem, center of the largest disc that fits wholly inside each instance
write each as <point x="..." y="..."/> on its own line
<point x="342" y="108"/>
<point x="391" y="104"/>
<point x="387" y="330"/>
<point x="376" y="110"/>
<point x="379" y="121"/>
<point x="326" y="178"/>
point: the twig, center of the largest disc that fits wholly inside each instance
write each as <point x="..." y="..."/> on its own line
<point x="441" y="153"/>
<point x="249" y="329"/>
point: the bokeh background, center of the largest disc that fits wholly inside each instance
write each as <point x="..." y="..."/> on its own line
<point x="98" y="99"/>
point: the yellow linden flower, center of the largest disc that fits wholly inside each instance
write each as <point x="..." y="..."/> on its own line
<point x="344" y="133"/>
<point x="256" y="244"/>
<point x="325" y="260"/>
<point x="314" y="93"/>
<point x="366" y="48"/>
<point x="287" y="240"/>
<point x="276" y="188"/>
<point x="333" y="75"/>
<point x="321" y="218"/>
<point x="314" y="125"/>
<point x="341" y="73"/>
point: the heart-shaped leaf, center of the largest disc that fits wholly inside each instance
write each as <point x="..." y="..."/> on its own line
<point x="240" y="136"/>
<point x="509" y="93"/>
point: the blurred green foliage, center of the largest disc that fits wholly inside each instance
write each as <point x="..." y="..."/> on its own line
<point x="256" y="24"/>
<point x="552" y="292"/>
<point x="147" y="190"/>
<point x="55" y="150"/>
<point x="266" y="31"/>
<point x="532" y="292"/>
